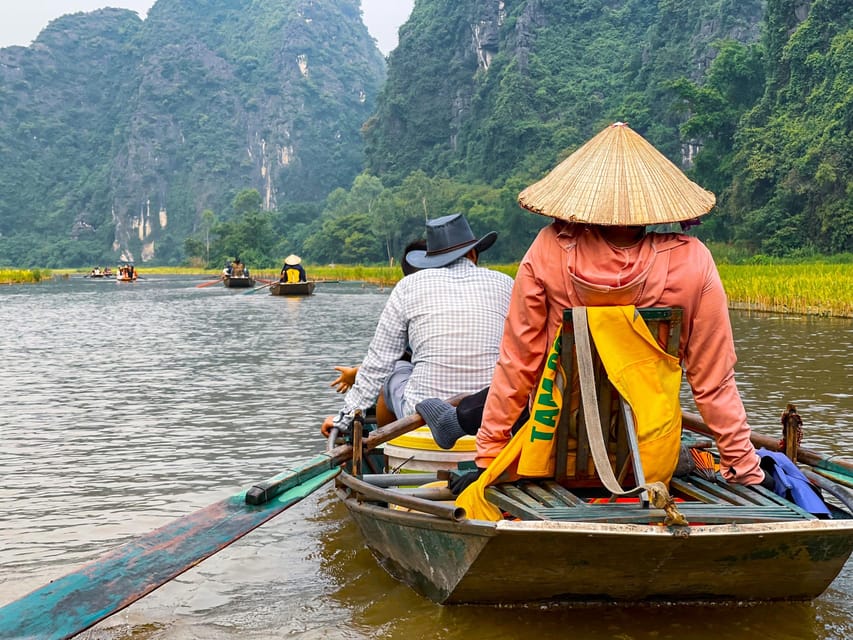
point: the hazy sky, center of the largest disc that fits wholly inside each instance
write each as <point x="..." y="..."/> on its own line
<point x="22" y="20"/>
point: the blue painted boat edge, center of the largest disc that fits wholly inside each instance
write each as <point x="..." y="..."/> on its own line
<point x="75" y="602"/>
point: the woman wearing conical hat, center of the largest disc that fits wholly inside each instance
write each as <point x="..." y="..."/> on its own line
<point x="293" y="271"/>
<point x="597" y="253"/>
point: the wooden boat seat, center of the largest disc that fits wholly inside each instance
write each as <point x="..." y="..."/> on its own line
<point x="574" y="465"/>
<point x="565" y="496"/>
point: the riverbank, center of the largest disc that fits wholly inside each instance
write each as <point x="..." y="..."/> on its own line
<point x="818" y="289"/>
<point x="807" y="289"/>
<point x="23" y="276"/>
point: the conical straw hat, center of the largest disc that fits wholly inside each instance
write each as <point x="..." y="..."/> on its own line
<point x="617" y="179"/>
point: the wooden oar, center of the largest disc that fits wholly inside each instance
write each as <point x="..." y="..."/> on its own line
<point x="259" y="288"/>
<point x="73" y="603"/>
<point x="207" y="284"/>
<point x="836" y="469"/>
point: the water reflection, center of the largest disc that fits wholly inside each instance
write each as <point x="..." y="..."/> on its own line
<point x="126" y="406"/>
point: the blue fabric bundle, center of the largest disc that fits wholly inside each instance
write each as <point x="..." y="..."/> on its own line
<point x="791" y="484"/>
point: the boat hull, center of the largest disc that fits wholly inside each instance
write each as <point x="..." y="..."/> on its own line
<point x="292" y="288"/>
<point x="238" y="283"/>
<point x="514" y="562"/>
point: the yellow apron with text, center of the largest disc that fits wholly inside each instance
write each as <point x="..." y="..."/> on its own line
<point x="646" y="376"/>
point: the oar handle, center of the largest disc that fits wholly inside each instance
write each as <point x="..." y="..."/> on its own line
<point x="268" y="489"/>
<point x="392" y="430"/>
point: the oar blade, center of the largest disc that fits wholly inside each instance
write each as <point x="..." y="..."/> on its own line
<point x="82" y="598"/>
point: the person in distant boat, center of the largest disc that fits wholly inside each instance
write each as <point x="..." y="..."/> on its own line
<point x="293" y="271"/>
<point x="347" y="375"/>
<point x="450" y="314"/>
<point x="238" y="269"/>
<point x="597" y="252"/>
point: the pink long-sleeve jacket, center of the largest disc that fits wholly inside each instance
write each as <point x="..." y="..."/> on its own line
<point x="572" y="265"/>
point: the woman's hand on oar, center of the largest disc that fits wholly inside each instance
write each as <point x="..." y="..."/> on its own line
<point x="207" y="284"/>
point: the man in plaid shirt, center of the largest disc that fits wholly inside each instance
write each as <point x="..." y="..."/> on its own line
<point x="450" y="314"/>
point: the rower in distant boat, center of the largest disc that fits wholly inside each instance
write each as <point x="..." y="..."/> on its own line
<point x="238" y="269"/>
<point x="293" y="271"/>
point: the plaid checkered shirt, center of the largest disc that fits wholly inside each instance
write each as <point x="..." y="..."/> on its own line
<point x="452" y="319"/>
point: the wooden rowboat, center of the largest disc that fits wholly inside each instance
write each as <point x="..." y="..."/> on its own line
<point x="567" y="538"/>
<point x="292" y="288"/>
<point x="742" y="543"/>
<point x="241" y="282"/>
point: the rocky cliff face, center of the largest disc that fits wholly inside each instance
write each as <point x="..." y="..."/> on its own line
<point x="488" y="85"/>
<point x="130" y="129"/>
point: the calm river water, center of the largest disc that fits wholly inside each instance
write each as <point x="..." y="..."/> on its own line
<point x="127" y="405"/>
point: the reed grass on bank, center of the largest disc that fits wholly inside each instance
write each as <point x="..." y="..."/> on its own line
<point x="814" y="288"/>
<point x="811" y="289"/>
<point x="23" y="276"/>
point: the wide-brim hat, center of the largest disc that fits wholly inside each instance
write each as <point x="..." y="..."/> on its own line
<point x="448" y="238"/>
<point x="619" y="179"/>
<point x="292" y="260"/>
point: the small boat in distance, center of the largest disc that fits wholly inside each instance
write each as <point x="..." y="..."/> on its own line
<point x="235" y="275"/>
<point x="97" y="272"/>
<point x="292" y="288"/>
<point x="238" y="282"/>
<point x="127" y="273"/>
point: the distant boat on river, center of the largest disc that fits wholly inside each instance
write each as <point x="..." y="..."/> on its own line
<point x="238" y="282"/>
<point x="292" y="288"/>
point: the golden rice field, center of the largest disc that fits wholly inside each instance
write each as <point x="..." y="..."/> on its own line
<point x="809" y="289"/>
<point x="813" y="289"/>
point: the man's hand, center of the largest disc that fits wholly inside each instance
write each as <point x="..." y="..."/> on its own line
<point x="326" y="429"/>
<point x="342" y="421"/>
<point x="344" y="381"/>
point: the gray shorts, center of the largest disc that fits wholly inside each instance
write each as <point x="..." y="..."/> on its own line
<point x="395" y="386"/>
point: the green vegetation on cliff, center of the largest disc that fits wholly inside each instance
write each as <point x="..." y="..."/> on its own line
<point x="142" y="139"/>
<point x="116" y="134"/>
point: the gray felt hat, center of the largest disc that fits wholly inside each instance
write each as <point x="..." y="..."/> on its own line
<point x="448" y="239"/>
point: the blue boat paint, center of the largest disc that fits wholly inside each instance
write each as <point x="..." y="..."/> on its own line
<point x="75" y="602"/>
